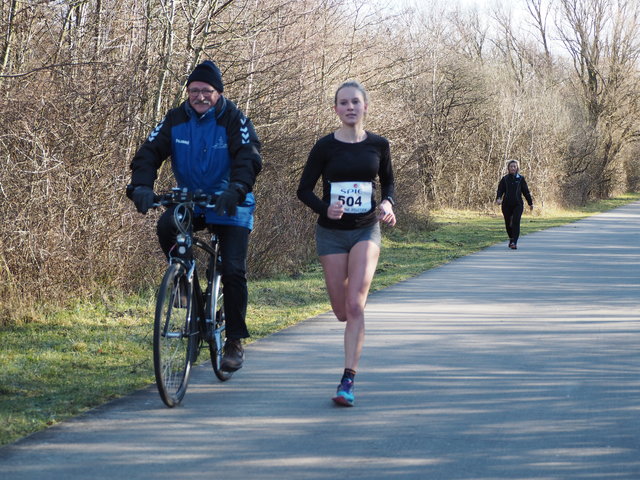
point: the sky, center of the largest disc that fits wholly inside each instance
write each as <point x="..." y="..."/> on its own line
<point x="516" y="7"/>
<point x="481" y="5"/>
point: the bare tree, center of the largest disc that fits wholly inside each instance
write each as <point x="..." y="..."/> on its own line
<point x="539" y="12"/>
<point x="456" y="95"/>
<point x="10" y="23"/>
<point x="471" y="34"/>
<point x="602" y="39"/>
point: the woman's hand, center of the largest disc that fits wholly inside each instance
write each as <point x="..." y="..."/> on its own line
<point x="386" y="214"/>
<point x="335" y="210"/>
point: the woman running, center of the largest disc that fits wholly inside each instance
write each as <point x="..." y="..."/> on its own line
<point x="348" y="237"/>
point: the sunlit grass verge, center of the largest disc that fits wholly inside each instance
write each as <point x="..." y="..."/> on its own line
<point x="69" y="361"/>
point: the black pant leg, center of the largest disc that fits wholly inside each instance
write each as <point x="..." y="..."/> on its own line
<point x="506" y="213"/>
<point x="234" y="243"/>
<point x="516" y="215"/>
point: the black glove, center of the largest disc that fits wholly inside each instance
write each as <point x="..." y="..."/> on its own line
<point x="143" y="197"/>
<point x="228" y="200"/>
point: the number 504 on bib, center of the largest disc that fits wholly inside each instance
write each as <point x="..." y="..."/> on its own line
<point x="355" y="196"/>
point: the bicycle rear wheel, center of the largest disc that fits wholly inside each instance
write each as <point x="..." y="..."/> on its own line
<point x="173" y="338"/>
<point x="216" y="346"/>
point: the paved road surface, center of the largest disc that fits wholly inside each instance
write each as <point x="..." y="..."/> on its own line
<point x="501" y="365"/>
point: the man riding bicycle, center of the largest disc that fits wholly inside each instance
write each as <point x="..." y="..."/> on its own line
<point x="213" y="148"/>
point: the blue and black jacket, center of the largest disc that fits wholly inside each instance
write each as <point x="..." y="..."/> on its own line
<point x="208" y="152"/>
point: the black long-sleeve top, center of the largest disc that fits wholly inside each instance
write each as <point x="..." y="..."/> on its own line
<point x="513" y="187"/>
<point x="337" y="161"/>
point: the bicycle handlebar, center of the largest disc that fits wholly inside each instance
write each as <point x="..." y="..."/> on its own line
<point x="184" y="201"/>
<point x="183" y="196"/>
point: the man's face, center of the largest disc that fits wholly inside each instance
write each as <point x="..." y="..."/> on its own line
<point x="202" y="96"/>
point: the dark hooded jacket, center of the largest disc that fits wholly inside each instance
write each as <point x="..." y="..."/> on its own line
<point x="513" y="187"/>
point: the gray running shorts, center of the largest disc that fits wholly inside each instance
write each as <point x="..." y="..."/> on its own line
<point x="330" y="241"/>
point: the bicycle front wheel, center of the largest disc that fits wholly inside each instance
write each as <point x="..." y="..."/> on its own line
<point x="173" y="338"/>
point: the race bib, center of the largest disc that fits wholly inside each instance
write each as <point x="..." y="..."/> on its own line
<point x="355" y="196"/>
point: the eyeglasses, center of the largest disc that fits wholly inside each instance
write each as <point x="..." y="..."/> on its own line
<point x="197" y="91"/>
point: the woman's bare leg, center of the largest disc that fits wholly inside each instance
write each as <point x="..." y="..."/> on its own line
<point x="348" y="278"/>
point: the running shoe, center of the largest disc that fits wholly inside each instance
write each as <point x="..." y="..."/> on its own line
<point x="344" y="395"/>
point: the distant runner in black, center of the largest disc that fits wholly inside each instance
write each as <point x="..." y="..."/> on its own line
<point x="511" y="188"/>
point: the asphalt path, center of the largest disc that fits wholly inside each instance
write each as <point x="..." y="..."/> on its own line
<point x="500" y="365"/>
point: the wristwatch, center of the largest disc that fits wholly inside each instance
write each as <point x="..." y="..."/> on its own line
<point x="390" y="200"/>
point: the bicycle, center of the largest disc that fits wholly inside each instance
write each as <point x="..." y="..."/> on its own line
<point x="187" y="316"/>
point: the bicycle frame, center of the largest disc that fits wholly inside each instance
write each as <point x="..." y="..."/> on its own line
<point x="187" y="318"/>
<point x="207" y="302"/>
<point x="210" y="316"/>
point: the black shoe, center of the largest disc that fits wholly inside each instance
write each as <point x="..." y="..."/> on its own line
<point x="233" y="356"/>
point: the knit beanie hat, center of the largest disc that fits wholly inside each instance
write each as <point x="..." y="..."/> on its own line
<point x="207" y="72"/>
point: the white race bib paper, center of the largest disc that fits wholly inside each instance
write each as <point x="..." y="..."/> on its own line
<point x="355" y="196"/>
